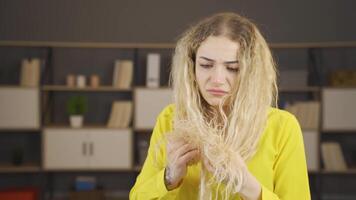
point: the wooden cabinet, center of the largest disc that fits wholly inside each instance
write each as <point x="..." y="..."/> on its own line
<point x="87" y="149"/>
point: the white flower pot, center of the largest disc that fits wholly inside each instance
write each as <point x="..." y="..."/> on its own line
<point x="76" y="121"/>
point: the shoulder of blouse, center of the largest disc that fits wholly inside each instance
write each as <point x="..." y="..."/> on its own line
<point x="167" y="111"/>
<point x="283" y="126"/>
<point x="276" y="115"/>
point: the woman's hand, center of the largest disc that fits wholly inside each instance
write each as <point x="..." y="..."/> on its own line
<point x="180" y="154"/>
<point x="251" y="188"/>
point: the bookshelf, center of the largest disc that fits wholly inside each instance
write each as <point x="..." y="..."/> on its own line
<point x="53" y="92"/>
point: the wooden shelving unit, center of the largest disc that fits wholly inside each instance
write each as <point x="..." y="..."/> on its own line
<point x="46" y="90"/>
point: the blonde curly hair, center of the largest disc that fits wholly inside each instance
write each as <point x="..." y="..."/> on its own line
<point x="219" y="134"/>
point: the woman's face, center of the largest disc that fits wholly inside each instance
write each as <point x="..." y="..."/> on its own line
<point x="216" y="68"/>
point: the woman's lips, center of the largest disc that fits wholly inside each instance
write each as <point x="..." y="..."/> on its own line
<point x="217" y="92"/>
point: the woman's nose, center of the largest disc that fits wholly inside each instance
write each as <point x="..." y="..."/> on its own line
<point x="218" y="75"/>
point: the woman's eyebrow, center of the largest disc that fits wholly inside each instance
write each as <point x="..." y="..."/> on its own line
<point x="205" y="58"/>
<point x="232" y="62"/>
<point x="227" y="62"/>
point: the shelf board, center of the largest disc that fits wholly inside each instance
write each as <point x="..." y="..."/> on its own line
<point x="340" y="87"/>
<point x="27" y="168"/>
<point x="57" y="44"/>
<point x="346" y="172"/>
<point x="85" y="126"/>
<point x="143" y="130"/>
<point x="17" y="87"/>
<point x="300" y="89"/>
<point x="18" y="129"/>
<point x="339" y="131"/>
<point x="350" y="171"/>
<point x="103" y="170"/>
<point x="305" y="45"/>
<point x="313" y="171"/>
<point x="86" y="89"/>
<point x="162" y="45"/>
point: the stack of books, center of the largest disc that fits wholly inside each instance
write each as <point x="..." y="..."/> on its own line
<point x="120" y="116"/>
<point x="311" y="146"/>
<point x="333" y="157"/>
<point x="122" y="77"/>
<point x="307" y="113"/>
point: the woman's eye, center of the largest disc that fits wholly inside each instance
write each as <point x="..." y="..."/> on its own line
<point x="206" y="65"/>
<point x="233" y="69"/>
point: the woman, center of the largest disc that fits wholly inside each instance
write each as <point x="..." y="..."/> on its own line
<point x="222" y="138"/>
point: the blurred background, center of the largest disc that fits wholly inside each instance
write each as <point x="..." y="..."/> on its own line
<point x="81" y="84"/>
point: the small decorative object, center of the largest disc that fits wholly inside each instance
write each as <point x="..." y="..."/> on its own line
<point x="71" y="80"/>
<point x="85" y="183"/>
<point x="81" y="81"/>
<point x="343" y="78"/>
<point x="153" y="70"/>
<point x="17" y="156"/>
<point x="94" y="81"/>
<point x="76" y="107"/>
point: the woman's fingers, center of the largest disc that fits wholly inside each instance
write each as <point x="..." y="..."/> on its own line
<point x="173" y="145"/>
<point x="187" y="157"/>
<point x="180" y="152"/>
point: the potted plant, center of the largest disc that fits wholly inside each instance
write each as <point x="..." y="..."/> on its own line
<point x="77" y="106"/>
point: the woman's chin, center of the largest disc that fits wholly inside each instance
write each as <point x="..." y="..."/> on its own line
<point x="214" y="102"/>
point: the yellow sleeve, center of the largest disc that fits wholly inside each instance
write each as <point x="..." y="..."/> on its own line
<point x="291" y="174"/>
<point x="150" y="182"/>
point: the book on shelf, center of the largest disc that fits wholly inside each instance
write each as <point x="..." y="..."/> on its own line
<point x="30" y="72"/>
<point x="311" y="146"/>
<point x="333" y="157"/>
<point x="153" y="70"/>
<point x="122" y="76"/>
<point x="307" y="113"/>
<point x="120" y="116"/>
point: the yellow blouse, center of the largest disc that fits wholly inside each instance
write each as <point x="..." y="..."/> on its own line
<point x="279" y="163"/>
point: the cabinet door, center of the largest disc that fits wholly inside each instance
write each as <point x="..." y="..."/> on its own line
<point x="111" y="149"/>
<point x="339" y="110"/>
<point x="19" y="108"/>
<point x="65" y="149"/>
